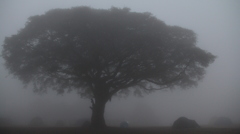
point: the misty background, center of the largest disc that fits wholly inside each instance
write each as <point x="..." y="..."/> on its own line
<point x="217" y="25"/>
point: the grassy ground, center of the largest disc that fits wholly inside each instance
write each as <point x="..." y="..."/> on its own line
<point x="114" y="130"/>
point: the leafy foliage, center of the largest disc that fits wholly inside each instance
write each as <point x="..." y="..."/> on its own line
<point x="95" y="50"/>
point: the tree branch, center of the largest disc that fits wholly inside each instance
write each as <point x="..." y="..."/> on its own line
<point x="132" y="83"/>
<point x="177" y="77"/>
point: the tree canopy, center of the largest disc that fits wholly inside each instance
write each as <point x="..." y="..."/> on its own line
<point x="103" y="52"/>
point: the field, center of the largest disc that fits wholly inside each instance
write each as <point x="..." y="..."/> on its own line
<point x="115" y="130"/>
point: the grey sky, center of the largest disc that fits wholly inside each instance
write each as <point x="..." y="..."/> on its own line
<point x="217" y="24"/>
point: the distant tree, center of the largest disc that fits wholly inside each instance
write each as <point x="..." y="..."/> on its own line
<point x="101" y="53"/>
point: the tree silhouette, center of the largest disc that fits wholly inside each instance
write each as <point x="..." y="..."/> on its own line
<point x="103" y="52"/>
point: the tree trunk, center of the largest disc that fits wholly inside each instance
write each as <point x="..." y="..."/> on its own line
<point x="97" y="120"/>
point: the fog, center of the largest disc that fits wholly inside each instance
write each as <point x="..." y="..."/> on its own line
<point x="217" y="25"/>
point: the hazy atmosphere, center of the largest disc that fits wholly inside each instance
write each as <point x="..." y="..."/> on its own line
<point x="217" y="25"/>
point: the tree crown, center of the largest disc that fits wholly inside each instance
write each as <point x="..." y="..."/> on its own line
<point x="94" y="50"/>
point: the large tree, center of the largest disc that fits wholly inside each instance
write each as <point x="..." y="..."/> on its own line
<point x="101" y="53"/>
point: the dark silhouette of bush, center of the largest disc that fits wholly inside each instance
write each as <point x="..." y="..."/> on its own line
<point x="184" y="122"/>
